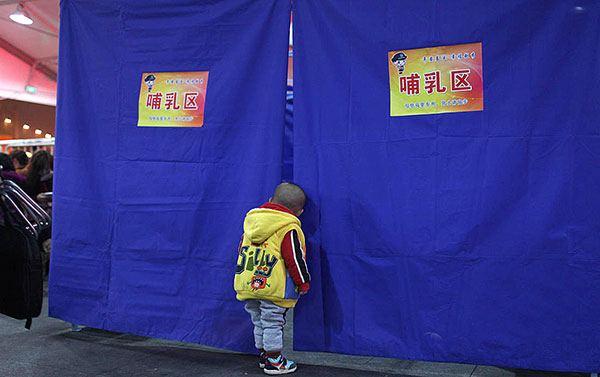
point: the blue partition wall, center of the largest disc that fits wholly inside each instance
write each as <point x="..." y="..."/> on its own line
<point x="464" y="237"/>
<point x="147" y="220"/>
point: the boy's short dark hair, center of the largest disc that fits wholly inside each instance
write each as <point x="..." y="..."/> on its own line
<point x="289" y="195"/>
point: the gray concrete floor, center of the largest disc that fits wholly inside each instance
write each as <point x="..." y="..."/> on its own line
<point x="51" y="349"/>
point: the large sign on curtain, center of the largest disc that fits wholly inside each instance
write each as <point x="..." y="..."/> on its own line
<point x="172" y="99"/>
<point x="444" y="79"/>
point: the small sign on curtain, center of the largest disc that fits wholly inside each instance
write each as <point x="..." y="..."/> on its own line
<point x="172" y="99"/>
<point x="443" y="79"/>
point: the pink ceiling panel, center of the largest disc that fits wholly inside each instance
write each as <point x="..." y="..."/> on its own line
<point x="13" y="79"/>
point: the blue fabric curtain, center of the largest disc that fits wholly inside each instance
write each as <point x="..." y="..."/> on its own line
<point x="147" y="220"/>
<point x="464" y="237"/>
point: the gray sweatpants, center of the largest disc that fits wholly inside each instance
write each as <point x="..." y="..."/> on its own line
<point x="268" y="320"/>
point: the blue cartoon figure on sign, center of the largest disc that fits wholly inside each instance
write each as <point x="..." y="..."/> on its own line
<point x="399" y="60"/>
<point x="149" y="80"/>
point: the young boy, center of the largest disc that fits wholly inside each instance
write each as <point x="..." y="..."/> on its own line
<point x="271" y="271"/>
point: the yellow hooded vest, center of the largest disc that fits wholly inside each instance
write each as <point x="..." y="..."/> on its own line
<point x="261" y="272"/>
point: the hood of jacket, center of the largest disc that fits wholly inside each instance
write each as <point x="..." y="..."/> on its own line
<point x="261" y="223"/>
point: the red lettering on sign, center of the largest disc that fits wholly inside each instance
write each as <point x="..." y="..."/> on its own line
<point x="410" y="84"/>
<point x="459" y="81"/>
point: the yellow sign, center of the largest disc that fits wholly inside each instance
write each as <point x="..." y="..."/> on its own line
<point x="444" y="79"/>
<point x="172" y="99"/>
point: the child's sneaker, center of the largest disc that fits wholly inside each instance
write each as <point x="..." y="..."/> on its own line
<point x="279" y="365"/>
<point x="262" y="359"/>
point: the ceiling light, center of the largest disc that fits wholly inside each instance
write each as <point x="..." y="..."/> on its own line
<point x="25" y="126"/>
<point x="38" y="132"/>
<point x="48" y="136"/>
<point x="7" y="120"/>
<point x="31" y="89"/>
<point x="20" y="16"/>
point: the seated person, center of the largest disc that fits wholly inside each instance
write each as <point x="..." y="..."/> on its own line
<point x="38" y="174"/>
<point x="19" y="159"/>
<point x="8" y="170"/>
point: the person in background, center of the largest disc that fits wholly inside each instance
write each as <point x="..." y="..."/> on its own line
<point x="38" y="179"/>
<point x="19" y="159"/>
<point x="38" y="174"/>
<point x="7" y="170"/>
